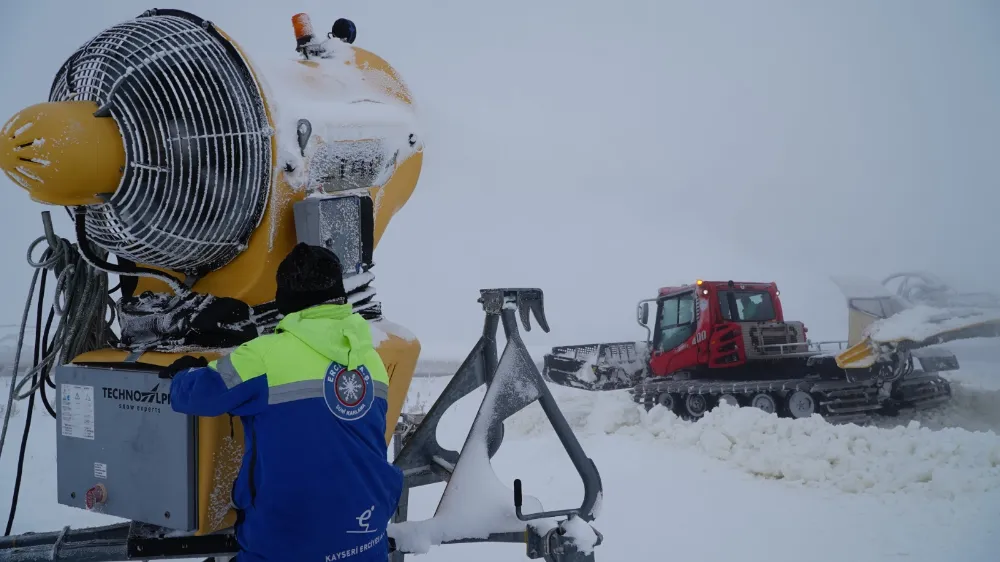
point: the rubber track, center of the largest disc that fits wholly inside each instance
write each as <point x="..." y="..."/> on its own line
<point x="836" y="401"/>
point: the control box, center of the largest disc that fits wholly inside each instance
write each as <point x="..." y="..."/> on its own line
<point x="343" y="224"/>
<point x="120" y="448"/>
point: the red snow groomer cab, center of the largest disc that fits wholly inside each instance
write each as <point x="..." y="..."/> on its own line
<point x="713" y="325"/>
<point x="728" y="341"/>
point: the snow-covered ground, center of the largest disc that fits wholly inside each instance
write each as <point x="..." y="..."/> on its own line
<point x="739" y="484"/>
<point x="758" y="113"/>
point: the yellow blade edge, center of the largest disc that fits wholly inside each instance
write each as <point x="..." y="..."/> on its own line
<point x="859" y="356"/>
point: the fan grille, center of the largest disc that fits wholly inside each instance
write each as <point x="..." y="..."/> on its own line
<point x="196" y="135"/>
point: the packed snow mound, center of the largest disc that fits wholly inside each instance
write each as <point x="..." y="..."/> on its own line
<point x="906" y="459"/>
<point x="922" y="322"/>
<point x="910" y="459"/>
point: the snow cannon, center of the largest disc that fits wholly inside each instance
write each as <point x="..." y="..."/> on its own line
<point x="189" y="173"/>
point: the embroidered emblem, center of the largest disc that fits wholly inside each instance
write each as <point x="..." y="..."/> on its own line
<point x="349" y="393"/>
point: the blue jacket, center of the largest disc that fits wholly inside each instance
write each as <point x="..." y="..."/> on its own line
<point x="315" y="484"/>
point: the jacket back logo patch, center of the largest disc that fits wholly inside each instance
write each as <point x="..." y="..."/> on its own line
<point x="349" y="393"/>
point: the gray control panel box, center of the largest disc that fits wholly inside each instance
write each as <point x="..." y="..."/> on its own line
<point x="343" y="224"/>
<point x="115" y="427"/>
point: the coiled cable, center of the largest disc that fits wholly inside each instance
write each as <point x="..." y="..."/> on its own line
<point x="86" y="312"/>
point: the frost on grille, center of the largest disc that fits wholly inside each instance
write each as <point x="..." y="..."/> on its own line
<point x="196" y="136"/>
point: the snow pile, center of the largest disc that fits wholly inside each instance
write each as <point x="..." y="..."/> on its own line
<point x="910" y="459"/>
<point x="854" y="459"/>
<point x="922" y="322"/>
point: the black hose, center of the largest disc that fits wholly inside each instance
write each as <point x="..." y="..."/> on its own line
<point x="47" y="371"/>
<point x="20" y="465"/>
<point x="31" y="402"/>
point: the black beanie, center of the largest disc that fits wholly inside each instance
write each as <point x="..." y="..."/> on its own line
<point x="308" y="276"/>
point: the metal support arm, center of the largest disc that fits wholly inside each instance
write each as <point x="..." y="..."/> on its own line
<point x="424" y="461"/>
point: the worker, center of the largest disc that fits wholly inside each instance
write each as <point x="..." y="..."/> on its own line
<point x="315" y="483"/>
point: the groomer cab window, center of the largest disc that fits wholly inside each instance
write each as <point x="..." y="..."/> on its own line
<point x="675" y="321"/>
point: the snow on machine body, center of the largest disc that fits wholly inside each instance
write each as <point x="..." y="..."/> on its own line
<point x="196" y="172"/>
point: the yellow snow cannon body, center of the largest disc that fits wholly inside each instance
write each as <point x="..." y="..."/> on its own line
<point x="199" y="170"/>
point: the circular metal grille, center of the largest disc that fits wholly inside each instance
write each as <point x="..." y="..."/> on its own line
<point x="196" y="136"/>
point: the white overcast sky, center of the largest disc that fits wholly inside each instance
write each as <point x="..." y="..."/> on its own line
<point x="600" y="150"/>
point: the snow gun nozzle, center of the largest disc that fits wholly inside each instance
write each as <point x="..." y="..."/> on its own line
<point x="524" y="300"/>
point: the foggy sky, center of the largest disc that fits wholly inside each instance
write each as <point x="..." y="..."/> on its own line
<point x="601" y="150"/>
